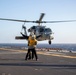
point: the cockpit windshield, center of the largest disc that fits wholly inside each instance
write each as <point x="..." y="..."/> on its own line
<point x="48" y="30"/>
<point x="41" y="29"/>
<point x="33" y="27"/>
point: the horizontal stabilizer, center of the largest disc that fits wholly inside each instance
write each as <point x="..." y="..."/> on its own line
<point x="19" y="37"/>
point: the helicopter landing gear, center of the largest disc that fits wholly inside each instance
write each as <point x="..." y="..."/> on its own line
<point x="50" y="42"/>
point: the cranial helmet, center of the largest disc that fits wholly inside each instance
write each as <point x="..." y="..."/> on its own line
<point x="32" y="35"/>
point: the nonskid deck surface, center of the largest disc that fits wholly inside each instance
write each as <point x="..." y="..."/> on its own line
<point x="50" y="63"/>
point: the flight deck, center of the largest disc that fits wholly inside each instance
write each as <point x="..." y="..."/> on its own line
<point x="12" y="62"/>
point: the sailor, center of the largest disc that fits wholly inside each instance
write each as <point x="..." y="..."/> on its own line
<point x="32" y="42"/>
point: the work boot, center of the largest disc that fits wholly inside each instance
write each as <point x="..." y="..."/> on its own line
<point x="25" y="58"/>
<point x="37" y="59"/>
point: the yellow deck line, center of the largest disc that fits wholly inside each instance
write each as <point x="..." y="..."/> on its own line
<point x="58" y="55"/>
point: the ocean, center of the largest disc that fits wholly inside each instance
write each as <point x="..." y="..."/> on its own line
<point x="20" y="46"/>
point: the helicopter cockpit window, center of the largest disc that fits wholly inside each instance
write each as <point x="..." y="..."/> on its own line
<point x="41" y="30"/>
<point x="33" y="27"/>
<point x="48" y="30"/>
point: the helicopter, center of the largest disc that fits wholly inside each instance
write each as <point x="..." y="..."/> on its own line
<point x="39" y="30"/>
<point x="46" y="33"/>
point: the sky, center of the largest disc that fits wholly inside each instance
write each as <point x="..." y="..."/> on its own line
<point x="55" y="10"/>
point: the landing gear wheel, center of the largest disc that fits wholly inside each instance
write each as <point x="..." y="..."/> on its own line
<point x="49" y="42"/>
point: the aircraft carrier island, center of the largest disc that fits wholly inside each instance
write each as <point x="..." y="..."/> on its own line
<point x="52" y="61"/>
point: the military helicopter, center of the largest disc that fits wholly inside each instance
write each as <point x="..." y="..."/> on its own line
<point x="46" y="33"/>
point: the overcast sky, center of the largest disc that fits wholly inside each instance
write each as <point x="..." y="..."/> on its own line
<point x="30" y="10"/>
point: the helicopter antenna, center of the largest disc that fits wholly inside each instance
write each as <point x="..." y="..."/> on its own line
<point x="24" y="27"/>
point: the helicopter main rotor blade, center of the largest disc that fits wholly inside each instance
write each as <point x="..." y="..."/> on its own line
<point x="41" y="17"/>
<point x="19" y="20"/>
<point x="39" y="21"/>
<point x="58" y="21"/>
<point x="14" y="20"/>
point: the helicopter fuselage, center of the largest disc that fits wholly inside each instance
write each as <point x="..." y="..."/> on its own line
<point x="43" y="31"/>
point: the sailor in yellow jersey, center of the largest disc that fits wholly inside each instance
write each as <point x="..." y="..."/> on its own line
<point x="32" y="42"/>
